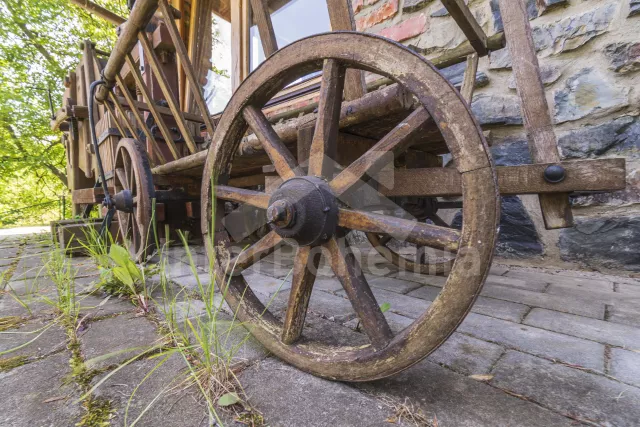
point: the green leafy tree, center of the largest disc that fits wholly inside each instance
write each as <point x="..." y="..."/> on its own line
<point x="39" y="44"/>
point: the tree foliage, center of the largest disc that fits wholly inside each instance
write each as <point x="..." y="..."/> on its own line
<point x="39" y="44"/>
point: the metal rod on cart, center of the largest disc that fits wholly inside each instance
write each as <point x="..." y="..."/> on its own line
<point x="139" y="18"/>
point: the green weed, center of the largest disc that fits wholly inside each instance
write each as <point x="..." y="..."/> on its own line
<point x="10" y="363"/>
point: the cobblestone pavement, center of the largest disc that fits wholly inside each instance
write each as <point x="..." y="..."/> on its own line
<point x="540" y="348"/>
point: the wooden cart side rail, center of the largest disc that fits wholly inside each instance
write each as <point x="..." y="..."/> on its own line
<point x="581" y="176"/>
<point x="141" y="14"/>
<point x="89" y="196"/>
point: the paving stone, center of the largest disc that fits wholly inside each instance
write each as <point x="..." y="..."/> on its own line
<point x="10" y="252"/>
<point x="288" y="397"/>
<point x="420" y="278"/>
<point x="583" y="327"/>
<point x="264" y="284"/>
<point x="605" y="296"/>
<point x="510" y="282"/>
<point x="566" y="304"/>
<point x="103" y="305"/>
<point x="624" y="315"/>
<point x="190" y="282"/>
<point x="332" y="307"/>
<point x="498" y="270"/>
<point x="401" y="304"/>
<point x="559" y="280"/>
<point x="457" y="400"/>
<point x="569" y="391"/>
<point x="273" y="270"/>
<point x="327" y="284"/>
<point x="625" y="365"/>
<point x="37" y="394"/>
<point x="392" y="284"/>
<point x="535" y="341"/>
<point x="628" y="290"/>
<point x="133" y="334"/>
<point x="488" y="306"/>
<point x="31" y="286"/>
<point x="23" y="306"/>
<point x="172" y="404"/>
<point x="47" y="339"/>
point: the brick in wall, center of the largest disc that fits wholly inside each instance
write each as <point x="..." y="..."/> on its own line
<point x="385" y="11"/>
<point x="412" y="27"/>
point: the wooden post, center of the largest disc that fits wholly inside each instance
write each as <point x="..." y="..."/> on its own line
<point x="262" y="18"/>
<point x="341" y="17"/>
<point x="556" y="209"/>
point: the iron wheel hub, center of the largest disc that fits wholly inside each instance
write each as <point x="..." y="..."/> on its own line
<point x="304" y="211"/>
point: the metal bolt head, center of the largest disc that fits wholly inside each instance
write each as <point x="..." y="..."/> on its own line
<point x="554" y="174"/>
<point x="281" y="214"/>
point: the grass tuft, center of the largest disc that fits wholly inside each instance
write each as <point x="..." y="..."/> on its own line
<point x="10" y="363"/>
<point x="10" y="322"/>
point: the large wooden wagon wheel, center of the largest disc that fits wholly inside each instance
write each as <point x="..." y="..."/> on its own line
<point x="305" y="211"/>
<point x="133" y="185"/>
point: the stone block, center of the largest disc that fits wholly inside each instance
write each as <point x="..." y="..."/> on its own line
<point x="594" y="141"/>
<point x="456" y="400"/>
<point x="392" y="284"/>
<point x="571" y="305"/>
<point x="532" y="12"/>
<point x="455" y="75"/>
<point x="625" y="366"/>
<point x="159" y="390"/>
<point x="634" y="8"/>
<point x="488" y="306"/>
<point x="549" y="74"/>
<point x="264" y="284"/>
<point x="467" y="355"/>
<point x="612" y="242"/>
<point x="624" y="56"/>
<point x="584" y="327"/>
<point x="497" y="109"/>
<point x="517" y="236"/>
<point x="624" y="315"/>
<point x="510" y="282"/>
<point x="414" y="5"/>
<point x="287" y="396"/>
<point x="577" y="283"/>
<point x="443" y="11"/>
<point x="535" y="341"/>
<point x="579" y="394"/>
<point x="38" y="394"/>
<point x="587" y="93"/>
<point x="401" y="304"/>
<point x="47" y="339"/>
<point x="128" y="337"/>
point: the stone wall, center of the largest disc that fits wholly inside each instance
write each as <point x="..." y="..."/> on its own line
<point x="589" y="53"/>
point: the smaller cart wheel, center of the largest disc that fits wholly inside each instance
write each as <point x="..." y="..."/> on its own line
<point x="134" y="192"/>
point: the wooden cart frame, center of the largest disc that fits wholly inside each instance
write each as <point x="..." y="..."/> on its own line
<point x="316" y="165"/>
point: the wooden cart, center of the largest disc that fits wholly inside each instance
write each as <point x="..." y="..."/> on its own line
<point x="383" y="116"/>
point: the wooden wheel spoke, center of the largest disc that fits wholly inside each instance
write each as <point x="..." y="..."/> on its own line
<point x="382" y="153"/>
<point x="122" y="177"/>
<point x="348" y="271"/>
<point x="280" y="156"/>
<point x="304" y="274"/>
<point x="240" y="195"/>
<point x="323" y="146"/>
<point x="262" y="248"/>
<point x="401" y="229"/>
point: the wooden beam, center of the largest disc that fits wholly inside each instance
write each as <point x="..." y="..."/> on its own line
<point x="341" y="17"/>
<point x="88" y="196"/>
<point x="543" y="145"/>
<point x="468" y="24"/>
<point x="262" y="18"/>
<point x="581" y="175"/>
